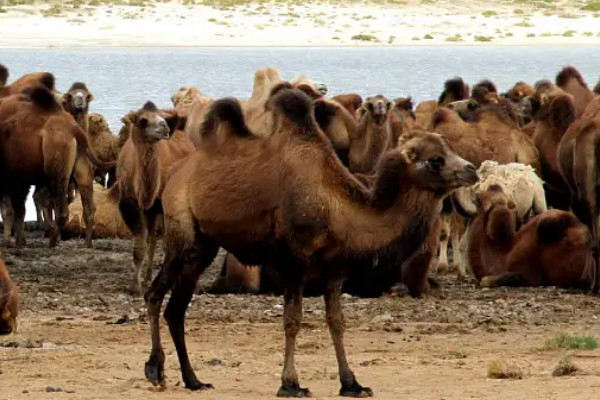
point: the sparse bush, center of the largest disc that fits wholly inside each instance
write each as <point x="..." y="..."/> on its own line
<point x="489" y="13"/>
<point x="568" y="342"/>
<point x="592" y="6"/>
<point x="569" y="33"/>
<point x="455" y="38"/>
<point x="365" y="37"/>
<point x="531" y="35"/>
<point x="428" y="36"/>
<point x="500" y="370"/>
<point x="483" y="38"/>
<point x="565" y="367"/>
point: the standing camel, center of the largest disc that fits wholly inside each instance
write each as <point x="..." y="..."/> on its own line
<point x="285" y="200"/>
<point x="142" y="169"/>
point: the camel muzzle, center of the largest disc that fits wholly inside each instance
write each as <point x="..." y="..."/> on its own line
<point x="321" y="88"/>
<point x="467" y="175"/>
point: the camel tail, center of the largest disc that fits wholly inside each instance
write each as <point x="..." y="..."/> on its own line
<point x="229" y="111"/>
<point x="3" y="76"/>
<point x="42" y="98"/>
<point x="83" y="145"/>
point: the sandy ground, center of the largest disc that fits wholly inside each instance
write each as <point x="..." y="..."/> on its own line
<point x="412" y="22"/>
<point x="70" y="346"/>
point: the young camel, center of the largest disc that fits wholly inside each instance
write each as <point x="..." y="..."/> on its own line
<point x="373" y="135"/>
<point x="142" y="171"/>
<point x="9" y="301"/>
<point x="286" y="201"/>
<point x="42" y="145"/>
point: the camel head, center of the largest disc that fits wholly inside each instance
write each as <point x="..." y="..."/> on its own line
<point x="313" y="89"/>
<point x="431" y="163"/>
<point x="9" y="302"/>
<point x="377" y="108"/>
<point x="77" y="99"/>
<point x="149" y="124"/>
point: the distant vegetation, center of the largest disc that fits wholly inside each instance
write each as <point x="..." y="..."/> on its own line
<point x="567" y="342"/>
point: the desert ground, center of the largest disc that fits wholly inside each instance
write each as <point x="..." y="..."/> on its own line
<point x="148" y="23"/>
<point x="81" y="337"/>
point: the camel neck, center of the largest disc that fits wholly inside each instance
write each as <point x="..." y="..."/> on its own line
<point x="147" y="173"/>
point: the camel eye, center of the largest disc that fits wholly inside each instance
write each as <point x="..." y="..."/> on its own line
<point x="436" y="162"/>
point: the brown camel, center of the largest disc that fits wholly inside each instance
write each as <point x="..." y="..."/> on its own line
<point x="45" y="79"/>
<point x="571" y="81"/>
<point x="41" y="144"/>
<point x="142" y="171"/>
<point x="373" y="135"/>
<point x="492" y="135"/>
<point x="350" y="101"/>
<point x="553" y="113"/>
<point x="286" y="200"/>
<point x="9" y="301"/>
<point x="552" y="249"/>
<point x="578" y="159"/>
<point x="455" y="89"/>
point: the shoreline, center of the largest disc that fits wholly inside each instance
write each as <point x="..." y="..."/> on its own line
<point x="444" y="23"/>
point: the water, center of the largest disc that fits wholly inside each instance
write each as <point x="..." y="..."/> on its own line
<point x="123" y="79"/>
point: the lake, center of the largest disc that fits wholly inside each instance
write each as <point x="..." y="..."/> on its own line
<point x="123" y="79"/>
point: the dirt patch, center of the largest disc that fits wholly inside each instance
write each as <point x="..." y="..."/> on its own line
<point x="81" y="336"/>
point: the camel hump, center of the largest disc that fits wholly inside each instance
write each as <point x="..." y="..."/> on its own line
<point x="440" y="116"/>
<point x="566" y="74"/>
<point x="3" y="75"/>
<point x="454" y="89"/>
<point x="295" y="105"/>
<point x="227" y="110"/>
<point x="552" y="229"/>
<point x="41" y="97"/>
<point x="487" y="85"/>
<point x="47" y="80"/>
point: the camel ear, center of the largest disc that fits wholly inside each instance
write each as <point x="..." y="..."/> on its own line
<point x="90" y="97"/>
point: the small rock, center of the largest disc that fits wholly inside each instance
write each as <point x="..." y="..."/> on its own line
<point x="50" y="389"/>
<point x="383" y="319"/>
<point x="394" y="327"/>
<point x="215" y="362"/>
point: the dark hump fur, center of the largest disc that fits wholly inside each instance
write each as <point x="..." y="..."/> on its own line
<point x="41" y="97"/>
<point x="551" y="230"/>
<point x="597" y="88"/>
<point x="227" y="110"/>
<point x="296" y="106"/>
<point x="48" y="81"/>
<point x="454" y="89"/>
<point x="568" y="73"/>
<point x="324" y="112"/>
<point x="487" y="84"/>
<point x="280" y="86"/>
<point x="3" y="75"/>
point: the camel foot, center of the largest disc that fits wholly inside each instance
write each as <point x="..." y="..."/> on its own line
<point x="355" y="390"/>
<point x="293" y="390"/>
<point x="442" y="268"/>
<point x="155" y="372"/>
<point x="487" y="281"/>
<point x="197" y="385"/>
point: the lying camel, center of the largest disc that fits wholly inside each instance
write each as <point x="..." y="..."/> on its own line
<point x="552" y="249"/>
<point x="373" y="135"/>
<point x="286" y="200"/>
<point x="142" y="171"/>
<point x="108" y="222"/>
<point x="42" y="145"/>
<point x="578" y="157"/>
<point x="553" y="113"/>
<point x="571" y="81"/>
<point x="9" y="301"/>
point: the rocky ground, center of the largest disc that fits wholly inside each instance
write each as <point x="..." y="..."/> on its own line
<point x="81" y="333"/>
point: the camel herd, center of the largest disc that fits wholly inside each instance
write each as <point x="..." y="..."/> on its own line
<point x="311" y="194"/>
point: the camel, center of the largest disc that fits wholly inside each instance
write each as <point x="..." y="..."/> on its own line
<point x="578" y="165"/>
<point x="108" y="222"/>
<point x="45" y="79"/>
<point x="350" y="101"/>
<point x="455" y="89"/>
<point x="285" y="200"/>
<point x="491" y="136"/>
<point x="186" y="98"/>
<point x="373" y="135"/>
<point x="571" y="81"/>
<point x="42" y="145"/>
<point x="153" y="146"/>
<point x="9" y="301"/>
<point x="105" y="145"/>
<point x="553" y="113"/>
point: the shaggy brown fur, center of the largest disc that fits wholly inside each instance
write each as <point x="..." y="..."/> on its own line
<point x="350" y="101"/>
<point x="578" y="159"/>
<point x="285" y="200"/>
<point x="455" y="89"/>
<point x="108" y="222"/>
<point x="143" y="167"/>
<point x="485" y="92"/>
<point x="552" y="249"/>
<point x="490" y="138"/>
<point x="105" y="146"/>
<point x="570" y="80"/>
<point x="9" y="301"/>
<point x="519" y="91"/>
<point x="491" y="233"/>
<point x="373" y="135"/>
<point x="553" y="113"/>
<point x="42" y="145"/>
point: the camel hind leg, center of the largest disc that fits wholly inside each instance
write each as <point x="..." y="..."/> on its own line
<point x="84" y="178"/>
<point x="335" y="321"/>
<point x="136" y="222"/>
<point x="152" y="217"/>
<point x="8" y="216"/>
<point x="17" y="200"/>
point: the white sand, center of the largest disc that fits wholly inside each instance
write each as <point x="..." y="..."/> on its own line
<point x="175" y="24"/>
